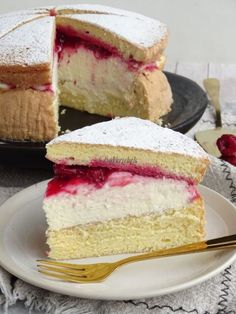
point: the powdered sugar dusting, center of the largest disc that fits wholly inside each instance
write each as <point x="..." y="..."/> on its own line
<point x="95" y="9"/>
<point x="26" y="36"/>
<point x="33" y="11"/>
<point x="135" y="133"/>
<point x="9" y="22"/>
<point x="136" y="29"/>
<point x="30" y="44"/>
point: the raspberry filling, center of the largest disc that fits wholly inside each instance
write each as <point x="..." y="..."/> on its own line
<point x="68" y="178"/>
<point x="140" y="170"/>
<point x="69" y="39"/>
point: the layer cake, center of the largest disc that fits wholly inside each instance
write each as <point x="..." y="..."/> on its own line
<point x="89" y="57"/>
<point x="123" y="186"/>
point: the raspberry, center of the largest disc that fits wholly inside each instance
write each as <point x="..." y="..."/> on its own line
<point x="227" y="145"/>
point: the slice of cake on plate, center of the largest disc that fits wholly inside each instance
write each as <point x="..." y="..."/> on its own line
<point x="123" y="186"/>
<point x="96" y="59"/>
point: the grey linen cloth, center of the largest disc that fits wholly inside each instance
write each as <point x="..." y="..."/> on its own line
<point x="217" y="295"/>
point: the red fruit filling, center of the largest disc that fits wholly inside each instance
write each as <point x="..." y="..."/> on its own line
<point x="140" y="170"/>
<point x="53" y="12"/>
<point x="75" y="175"/>
<point x="68" y="178"/>
<point x="70" y="39"/>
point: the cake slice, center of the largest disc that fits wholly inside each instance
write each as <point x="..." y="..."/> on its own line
<point x="123" y="186"/>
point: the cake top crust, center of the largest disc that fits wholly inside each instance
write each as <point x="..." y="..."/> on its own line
<point x="9" y="22"/>
<point x="23" y="34"/>
<point x="138" y="27"/>
<point x="33" y="11"/>
<point x="31" y="44"/>
<point x="94" y="9"/>
<point x="134" y="133"/>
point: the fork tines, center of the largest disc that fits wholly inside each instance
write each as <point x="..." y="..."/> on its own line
<point x="64" y="271"/>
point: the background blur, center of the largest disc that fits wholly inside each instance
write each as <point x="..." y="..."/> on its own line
<point x="200" y="30"/>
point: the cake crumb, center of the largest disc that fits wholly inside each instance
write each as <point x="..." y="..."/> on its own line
<point x="63" y="111"/>
<point x="159" y="122"/>
<point x="66" y="131"/>
<point x="167" y="125"/>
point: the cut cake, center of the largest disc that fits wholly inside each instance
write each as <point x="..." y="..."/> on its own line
<point x="93" y="58"/>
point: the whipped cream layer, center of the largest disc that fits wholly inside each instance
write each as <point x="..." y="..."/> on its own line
<point x="94" y="70"/>
<point x="86" y="197"/>
<point x="83" y="74"/>
<point x="41" y="88"/>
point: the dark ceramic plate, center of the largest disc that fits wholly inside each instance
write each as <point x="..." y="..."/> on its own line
<point x="189" y="104"/>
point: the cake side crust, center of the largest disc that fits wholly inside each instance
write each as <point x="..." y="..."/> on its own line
<point x="40" y="125"/>
<point x="153" y="91"/>
<point x="33" y="76"/>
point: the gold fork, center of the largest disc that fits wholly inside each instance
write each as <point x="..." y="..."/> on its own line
<point x="88" y="273"/>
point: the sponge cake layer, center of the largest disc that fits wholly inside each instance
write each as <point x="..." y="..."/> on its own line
<point x="128" y="144"/>
<point x="129" y="234"/>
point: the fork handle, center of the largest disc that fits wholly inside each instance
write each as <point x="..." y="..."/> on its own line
<point x="212" y="86"/>
<point x="214" y="244"/>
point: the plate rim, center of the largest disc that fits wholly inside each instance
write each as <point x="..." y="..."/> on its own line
<point x="50" y="286"/>
<point x="198" y="114"/>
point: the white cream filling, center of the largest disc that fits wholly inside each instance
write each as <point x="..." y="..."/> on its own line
<point x="90" y="205"/>
<point x="42" y="88"/>
<point x="81" y="73"/>
<point x="4" y="86"/>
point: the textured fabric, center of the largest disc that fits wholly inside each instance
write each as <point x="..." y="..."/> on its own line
<point x="217" y="295"/>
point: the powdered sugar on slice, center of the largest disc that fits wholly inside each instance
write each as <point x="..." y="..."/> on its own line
<point x="138" y="30"/>
<point x="134" y="133"/>
<point x="30" y="44"/>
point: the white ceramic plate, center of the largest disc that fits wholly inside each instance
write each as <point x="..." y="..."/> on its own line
<point x="22" y="242"/>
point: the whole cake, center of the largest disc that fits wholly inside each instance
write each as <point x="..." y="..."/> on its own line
<point x="127" y="185"/>
<point x="90" y="57"/>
